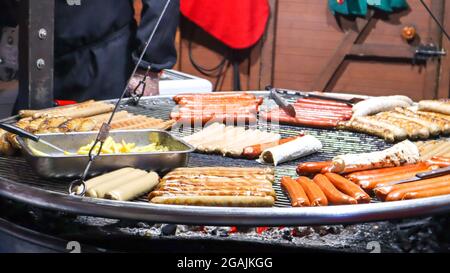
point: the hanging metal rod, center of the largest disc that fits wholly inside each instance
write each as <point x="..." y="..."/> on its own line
<point x="435" y="19"/>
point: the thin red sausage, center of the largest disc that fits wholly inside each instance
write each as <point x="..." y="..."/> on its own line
<point x="295" y="191"/>
<point x="320" y="107"/>
<point x="370" y="184"/>
<point x="348" y="187"/>
<point x="315" y="194"/>
<point x="440" y="161"/>
<point x="309" y="168"/>
<point x="324" y="102"/>
<point x="194" y="96"/>
<point x="319" y="123"/>
<point x="382" y="192"/>
<point x="216" y="117"/>
<point x="255" y="151"/>
<point x="398" y="194"/>
<point x="333" y="195"/>
<point x="427" y="193"/>
<point x="380" y="173"/>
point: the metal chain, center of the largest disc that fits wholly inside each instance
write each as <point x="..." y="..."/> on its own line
<point x="104" y="130"/>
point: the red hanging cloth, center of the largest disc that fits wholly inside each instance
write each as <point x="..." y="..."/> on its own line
<point x="237" y="23"/>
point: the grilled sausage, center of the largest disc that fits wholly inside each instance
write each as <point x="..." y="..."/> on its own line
<point x="369" y="126"/>
<point x="442" y="162"/>
<point x="427" y="193"/>
<point x="300" y="121"/>
<point x="253" y="152"/>
<point x="322" y="107"/>
<point x="233" y="118"/>
<point x="38" y="113"/>
<point x="218" y="188"/>
<point x="93" y="182"/>
<point x="315" y="194"/>
<point x="295" y="191"/>
<point x="210" y="192"/>
<point x="400" y="154"/>
<point x="325" y="102"/>
<point x="413" y="129"/>
<point x="442" y="107"/>
<point x="310" y="168"/>
<point x="224" y="201"/>
<point x="99" y="190"/>
<point x="382" y="192"/>
<point x="348" y="187"/>
<point x="383" y="181"/>
<point x="379" y="173"/>
<point x="5" y="147"/>
<point x="218" y="95"/>
<point x="333" y="195"/>
<point x="378" y="104"/>
<point x="434" y="150"/>
<point x="134" y="188"/>
<point x="222" y="171"/>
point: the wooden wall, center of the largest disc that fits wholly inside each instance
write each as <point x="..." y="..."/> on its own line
<point x="308" y="48"/>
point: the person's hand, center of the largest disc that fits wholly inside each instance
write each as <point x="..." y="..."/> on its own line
<point x="151" y="83"/>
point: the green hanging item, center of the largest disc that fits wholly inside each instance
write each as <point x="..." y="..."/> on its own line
<point x="348" y="7"/>
<point x="384" y="5"/>
<point x="359" y="7"/>
<point x="399" y="4"/>
<point x="388" y="5"/>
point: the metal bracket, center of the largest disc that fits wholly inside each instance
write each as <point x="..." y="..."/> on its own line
<point x="425" y="52"/>
<point x="36" y="57"/>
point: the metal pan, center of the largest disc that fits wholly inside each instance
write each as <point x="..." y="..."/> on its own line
<point x="71" y="166"/>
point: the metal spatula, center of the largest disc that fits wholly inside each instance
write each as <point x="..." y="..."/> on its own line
<point x="22" y="133"/>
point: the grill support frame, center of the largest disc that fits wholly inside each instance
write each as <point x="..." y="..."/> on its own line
<point x="38" y="195"/>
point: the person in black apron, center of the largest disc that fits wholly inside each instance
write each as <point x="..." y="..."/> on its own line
<point x="97" y="44"/>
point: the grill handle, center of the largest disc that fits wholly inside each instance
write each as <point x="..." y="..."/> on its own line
<point x="19" y="131"/>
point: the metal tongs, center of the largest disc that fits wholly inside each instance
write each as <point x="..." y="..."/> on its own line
<point x="22" y="133"/>
<point x="350" y="102"/>
<point x="281" y="102"/>
<point x="106" y="127"/>
<point x="310" y="95"/>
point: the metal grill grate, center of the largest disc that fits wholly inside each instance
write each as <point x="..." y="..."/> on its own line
<point x="334" y="143"/>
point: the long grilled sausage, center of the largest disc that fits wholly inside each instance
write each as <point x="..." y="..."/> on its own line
<point x="196" y="96"/>
<point x="218" y="108"/>
<point x="400" y="193"/>
<point x="439" y="161"/>
<point x="309" y="168"/>
<point x="323" y="114"/>
<point x="348" y="187"/>
<point x="324" y="102"/>
<point x="379" y="173"/>
<point x="301" y="121"/>
<point x="229" y="201"/>
<point x="320" y="107"/>
<point x="382" y="192"/>
<point x="230" y="101"/>
<point x="333" y="195"/>
<point x="315" y="194"/>
<point x="208" y="118"/>
<point x="295" y="191"/>
<point x="338" y="166"/>
<point x="385" y="181"/>
<point x="427" y="193"/>
<point x="254" y="151"/>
